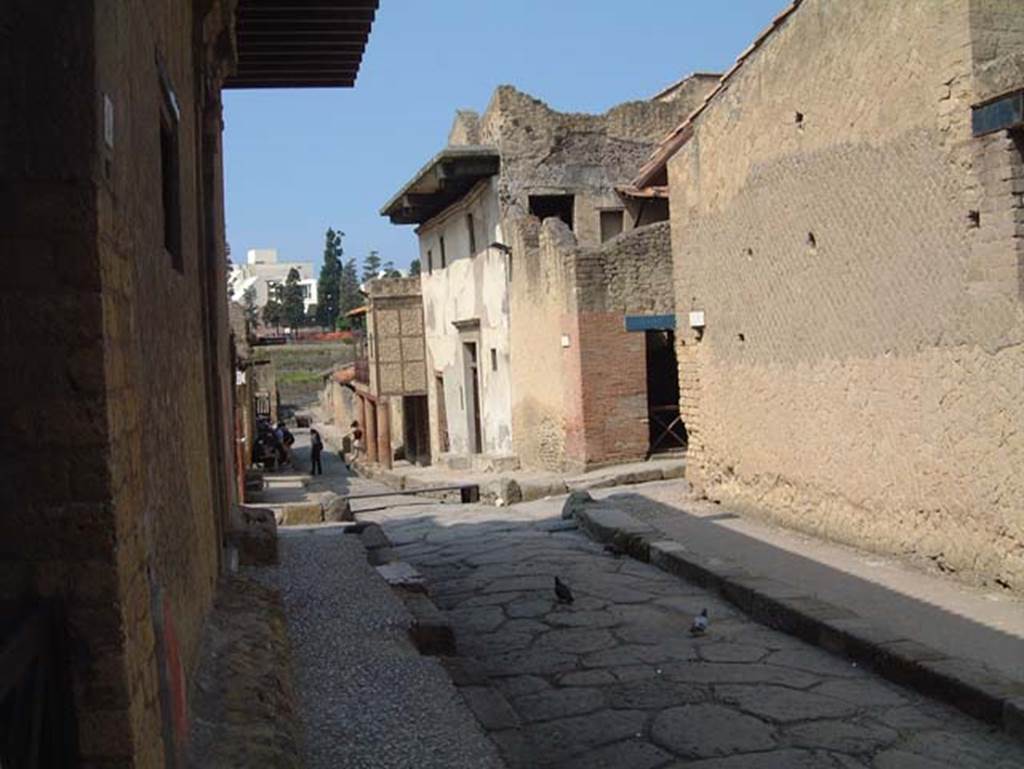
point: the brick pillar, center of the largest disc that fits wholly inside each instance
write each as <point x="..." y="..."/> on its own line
<point x="370" y="430"/>
<point x="384" y="432"/>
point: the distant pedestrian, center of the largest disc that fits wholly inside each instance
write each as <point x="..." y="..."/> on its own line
<point x="355" y="434"/>
<point x="316" y="446"/>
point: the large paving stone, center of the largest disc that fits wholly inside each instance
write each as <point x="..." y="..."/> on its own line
<point x="637" y="654"/>
<point x="491" y="709"/>
<point x="868" y="693"/>
<point x="576" y="640"/>
<point x="566" y="737"/>
<point x="517" y="686"/>
<point x="587" y="678"/>
<point x="521" y="608"/>
<point x="777" y="759"/>
<point x="477" y="619"/>
<point x="724" y="673"/>
<point x="655" y="692"/>
<point x="843" y="736"/>
<point x="816" y="661"/>
<point x="629" y="754"/>
<point x="559" y="703"/>
<point x="485" y="644"/>
<point x="530" y="663"/>
<point x="731" y="652"/>
<point x="591" y="619"/>
<point x="520" y="584"/>
<point x="784" y="705"/>
<point x="703" y="731"/>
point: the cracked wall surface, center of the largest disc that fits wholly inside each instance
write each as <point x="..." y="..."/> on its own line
<point x="859" y="267"/>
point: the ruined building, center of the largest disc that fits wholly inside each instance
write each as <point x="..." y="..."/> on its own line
<point x="119" y="487"/>
<point x="518" y="321"/>
<point x="848" y="239"/>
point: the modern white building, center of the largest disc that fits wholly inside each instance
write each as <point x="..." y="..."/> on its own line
<point x="263" y="273"/>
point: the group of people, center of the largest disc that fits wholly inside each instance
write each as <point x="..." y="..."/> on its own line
<point x="275" y="442"/>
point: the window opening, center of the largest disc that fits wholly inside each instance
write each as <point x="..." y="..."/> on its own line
<point x="548" y="206"/>
<point x="611" y="224"/>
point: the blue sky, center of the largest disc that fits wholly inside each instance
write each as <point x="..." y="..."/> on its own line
<point x="300" y="161"/>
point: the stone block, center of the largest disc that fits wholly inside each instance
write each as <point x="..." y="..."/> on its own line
<point x="403" y="575"/>
<point x="298" y="513"/>
<point x="575" y="502"/>
<point x="490" y="707"/>
<point x="431" y="632"/>
<point x="337" y="509"/>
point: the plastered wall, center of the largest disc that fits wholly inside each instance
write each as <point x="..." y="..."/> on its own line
<point x="859" y="267"/>
<point x="472" y="287"/>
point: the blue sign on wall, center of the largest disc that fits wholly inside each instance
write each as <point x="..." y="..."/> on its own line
<point x="998" y="115"/>
<point x="650" y="322"/>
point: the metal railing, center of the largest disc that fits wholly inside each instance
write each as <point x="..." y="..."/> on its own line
<point x="37" y="726"/>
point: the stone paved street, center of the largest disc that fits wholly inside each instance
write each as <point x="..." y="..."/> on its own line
<point x="616" y="680"/>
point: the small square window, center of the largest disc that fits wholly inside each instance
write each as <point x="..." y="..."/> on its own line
<point x="611" y="224"/>
<point x="494" y="359"/>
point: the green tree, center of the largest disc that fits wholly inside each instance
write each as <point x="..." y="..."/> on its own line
<point x="348" y="296"/>
<point x="252" y="312"/>
<point x="371" y="266"/>
<point x="273" y="313"/>
<point x="389" y="270"/>
<point x="414" y="267"/>
<point x="329" y="282"/>
<point x="292" y="307"/>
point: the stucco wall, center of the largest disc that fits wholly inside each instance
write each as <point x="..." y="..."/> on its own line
<point x="470" y="287"/>
<point x="860" y="373"/>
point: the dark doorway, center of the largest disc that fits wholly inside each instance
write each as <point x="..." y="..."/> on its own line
<point x="473" y="396"/>
<point x="416" y="429"/>
<point x="665" y="425"/>
<point x="442" y="415"/>
<point x="546" y="206"/>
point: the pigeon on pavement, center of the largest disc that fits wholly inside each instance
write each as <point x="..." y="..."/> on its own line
<point x="700" y="623"/>
<point x="562" y="592"/>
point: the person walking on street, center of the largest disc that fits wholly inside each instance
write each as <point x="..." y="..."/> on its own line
<point x="316" y="447"/>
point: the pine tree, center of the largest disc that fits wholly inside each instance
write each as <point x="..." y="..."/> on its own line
<point x="348" y="295"/>
<point x="389" y="271"/>
<point x="371" y="266"/>
<point x="329" y="282"/>
<point x="414" y="267"/>
<point x="292" y="306"/>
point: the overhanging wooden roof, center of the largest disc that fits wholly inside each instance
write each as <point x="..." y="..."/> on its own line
<point x="444" y="179"/>
<point x="300" y="43"/>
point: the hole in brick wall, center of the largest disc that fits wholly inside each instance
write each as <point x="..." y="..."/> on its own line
<point x="741" y="337"/>
<point x="811" y="240"/>
<point x="798" y="118"/>
<point x="750" y="253"/>
<point x="974" y="219"/>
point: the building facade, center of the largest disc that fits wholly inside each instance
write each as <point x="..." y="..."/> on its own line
<point x="263" y="275"/>
<point x="120" y="378"/>
<point x="477" y="203"/>
<point x="388" y="377"/>
<point x="849" y="258"/>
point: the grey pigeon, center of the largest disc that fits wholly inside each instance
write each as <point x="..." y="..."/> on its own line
<point x="562" y="592"/>
<point x="700" y="623"/>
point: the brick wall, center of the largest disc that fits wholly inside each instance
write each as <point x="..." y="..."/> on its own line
<point x="859" y="375"/>
<point x="579" y="387"/>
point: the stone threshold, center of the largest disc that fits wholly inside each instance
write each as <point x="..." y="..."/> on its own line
<point x="967" y="685"/>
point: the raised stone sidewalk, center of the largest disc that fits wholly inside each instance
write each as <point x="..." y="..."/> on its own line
<point x="971" y="686"/>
